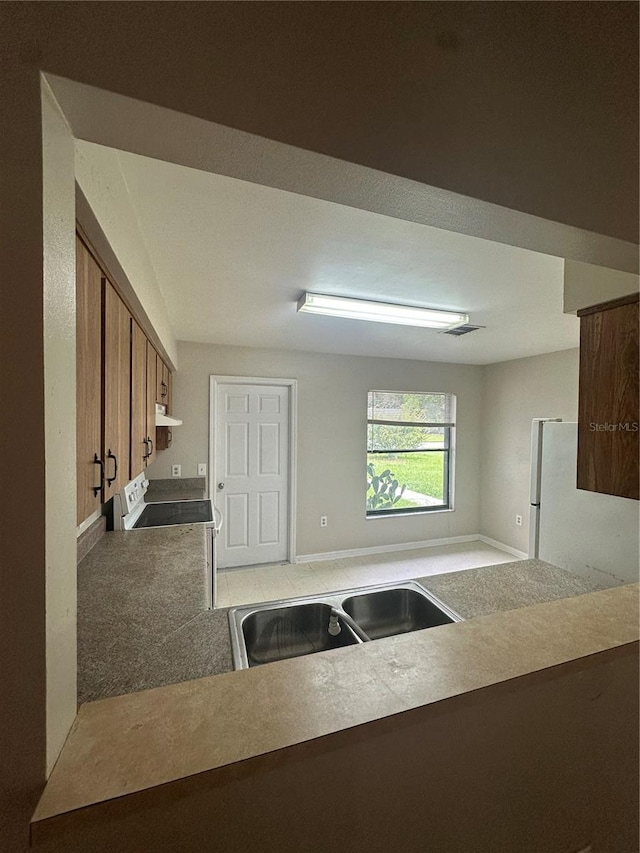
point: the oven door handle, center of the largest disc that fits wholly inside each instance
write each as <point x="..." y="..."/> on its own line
<point x="217" y="512"/>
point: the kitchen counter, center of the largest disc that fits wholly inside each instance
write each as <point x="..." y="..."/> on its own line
<point x="143" y="623"/>
<point x="160" y="737"/>
<point x="507" y="586"/>
<point x="185" y="489"/>
<point x="142" y="618"/>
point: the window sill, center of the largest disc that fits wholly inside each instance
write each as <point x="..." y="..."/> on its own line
<point x="422" y="512"/>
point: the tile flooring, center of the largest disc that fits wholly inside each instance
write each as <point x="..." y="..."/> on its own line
<point x="267" y="583"/>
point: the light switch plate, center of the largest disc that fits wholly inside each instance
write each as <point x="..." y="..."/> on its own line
<point x="202" y="469"/>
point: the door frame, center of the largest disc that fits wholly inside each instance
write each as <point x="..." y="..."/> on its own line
<point x="292" y="385"/>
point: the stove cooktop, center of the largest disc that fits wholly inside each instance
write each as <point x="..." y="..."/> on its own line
<point x="175" y="512"/>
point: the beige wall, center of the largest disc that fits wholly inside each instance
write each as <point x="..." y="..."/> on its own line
<point x="587" y="284"/>
<point x="60" y="422"/>
<point x="513" y="393"/>
<point x="332" y="413"/>
<point x="483" y="99"/>
<point x="496" y="404"/>
<point x="103" y="184"/>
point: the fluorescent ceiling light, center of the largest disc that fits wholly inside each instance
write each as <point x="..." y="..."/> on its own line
<point x="380" y="312"/>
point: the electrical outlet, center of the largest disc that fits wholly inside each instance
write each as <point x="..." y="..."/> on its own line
<point x="202" y="469"/>
<point x="176" y="470"/>
<point x="323" y="521"/>
<point x="519" y="520"/>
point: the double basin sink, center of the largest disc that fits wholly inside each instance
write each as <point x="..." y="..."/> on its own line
<point x="276" y="630"/>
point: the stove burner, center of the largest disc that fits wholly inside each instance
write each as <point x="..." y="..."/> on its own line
<point x="175" y="512"/>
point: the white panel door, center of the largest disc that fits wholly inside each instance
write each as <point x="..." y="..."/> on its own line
<point x="252" y="473"/>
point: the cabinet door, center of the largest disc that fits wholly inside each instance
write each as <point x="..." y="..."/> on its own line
<point x="117" y="391"/>
<point x="88" y="381"/>
<point x="152" y="386"/>
<point x="164" y="437"/>
<point x="158" y="379"/>
<point x="608" y="408"/>
<point x="139" y="445"/>
<point x="169" y="391"/>
<point x="162" y="377"/>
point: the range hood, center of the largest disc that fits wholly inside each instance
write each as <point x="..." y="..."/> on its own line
<point x="163" y="419"/>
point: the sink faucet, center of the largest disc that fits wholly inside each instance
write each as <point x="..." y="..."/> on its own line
<point x="335" y="627"/>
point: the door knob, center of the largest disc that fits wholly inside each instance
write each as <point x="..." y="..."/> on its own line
<point x="220" y="486"/>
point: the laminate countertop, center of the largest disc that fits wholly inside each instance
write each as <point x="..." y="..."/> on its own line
<point x="506" y="586"/>
<point x="176" y="490"/>
<point x="158" y="737"/>
<point x="142" y="617"/>
<point x="143" y="622"/>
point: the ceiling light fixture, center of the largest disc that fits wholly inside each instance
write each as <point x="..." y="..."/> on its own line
<point x="380" y="312"/>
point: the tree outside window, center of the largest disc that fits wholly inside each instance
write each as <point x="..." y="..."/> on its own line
<point x="409" y="452"/>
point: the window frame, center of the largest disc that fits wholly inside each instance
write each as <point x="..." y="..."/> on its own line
<point x="449" y="430"/>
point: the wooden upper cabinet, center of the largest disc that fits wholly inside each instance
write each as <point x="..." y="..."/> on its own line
<point x="162" y="382"/>
<point x="139" y="445"/>
<point x="608" y="405"/>
<point x="152" y="369"/>
<point x="88" y="382"/>
<point x="169" y="381"/>
<point x="159" y="389"/>
<point x="119" y="377"/>
<point x="117" y="391"/>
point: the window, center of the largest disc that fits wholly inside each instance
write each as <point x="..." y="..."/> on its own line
<point x="409" y="452"/>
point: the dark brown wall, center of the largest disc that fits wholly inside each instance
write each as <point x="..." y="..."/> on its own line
<point x="530" y="105"/>
<point x="22" y="551"/>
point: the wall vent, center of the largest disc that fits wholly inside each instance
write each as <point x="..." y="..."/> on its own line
<point x="462" y="330"/>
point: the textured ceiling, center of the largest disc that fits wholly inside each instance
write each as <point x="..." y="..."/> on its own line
<point x="231" y="259"/>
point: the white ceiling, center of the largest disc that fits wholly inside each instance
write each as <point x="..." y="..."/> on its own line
<point x="232" y="258"/>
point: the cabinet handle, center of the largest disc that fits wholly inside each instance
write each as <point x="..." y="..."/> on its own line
<point x="147" y="454"/>
<point x="98" y="461"/>
<point x="163" y="385"/>
<point x="151" y="443"/>
<point x="169" y="437"/>
<point x="110" y="455"/>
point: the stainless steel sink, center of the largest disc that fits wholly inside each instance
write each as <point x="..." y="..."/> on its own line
<point x="395" y="611"/>
<point x="291" y="630"/>
<point x="276" y="630"/>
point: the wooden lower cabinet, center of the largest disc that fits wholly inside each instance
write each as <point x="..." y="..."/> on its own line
<point x="88" y="382"/>
<point x="117" y="391"/>
<point x="608" y="414"/>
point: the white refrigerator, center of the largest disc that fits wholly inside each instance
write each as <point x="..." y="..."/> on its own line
<point x="595" y="536"/>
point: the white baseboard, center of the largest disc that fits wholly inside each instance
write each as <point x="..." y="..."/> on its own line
<point x="502" y="547"/>
<point x="386" y="549"/>
<point x="409" y="546"/>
